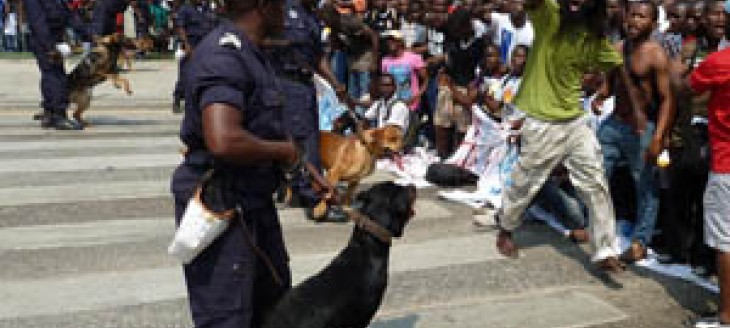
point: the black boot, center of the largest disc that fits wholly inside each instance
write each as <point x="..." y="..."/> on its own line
<point x="176" y="107"/>
<point x="58" y="122"/>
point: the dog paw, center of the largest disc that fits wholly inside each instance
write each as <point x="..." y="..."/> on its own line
<point x="319" y="213"/>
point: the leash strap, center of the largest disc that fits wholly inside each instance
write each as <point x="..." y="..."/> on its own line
<point x="250" y="240"/>
<point x="365" y="223"/>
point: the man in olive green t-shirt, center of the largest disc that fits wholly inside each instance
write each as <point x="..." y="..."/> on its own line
<point x="569" y="42"/>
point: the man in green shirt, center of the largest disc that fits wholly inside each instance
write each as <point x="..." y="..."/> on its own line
<point x="569" y="42"/>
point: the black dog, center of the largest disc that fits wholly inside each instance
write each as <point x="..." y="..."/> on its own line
<point x="348" y="292"/>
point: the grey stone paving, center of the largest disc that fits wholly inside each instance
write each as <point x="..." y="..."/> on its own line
<point x="83" y="245"/>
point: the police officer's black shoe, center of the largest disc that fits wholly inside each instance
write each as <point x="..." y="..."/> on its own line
<point x="59" y="123"/>
<point x="176" y="107"/>
<point x="296" y="201"/>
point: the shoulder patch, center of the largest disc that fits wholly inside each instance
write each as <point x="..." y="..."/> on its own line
<point x="230" y="40"/>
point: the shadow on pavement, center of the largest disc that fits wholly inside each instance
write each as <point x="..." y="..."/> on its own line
<point x="408" y="321"/>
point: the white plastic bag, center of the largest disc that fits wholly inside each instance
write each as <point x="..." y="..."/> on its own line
<point x="198" y="228"/>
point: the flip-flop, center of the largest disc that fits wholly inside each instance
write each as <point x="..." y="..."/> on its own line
<point x="709" y="322"/>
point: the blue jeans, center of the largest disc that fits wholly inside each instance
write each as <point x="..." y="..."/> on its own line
<point x="621" y="144"/>
<point x="11" y="43"/>
<point x="339" y="66"/>
<point x="563" y="203"/>
<point x="358" y="84"/>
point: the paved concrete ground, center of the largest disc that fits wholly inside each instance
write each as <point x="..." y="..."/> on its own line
<point x="85" y="218"/>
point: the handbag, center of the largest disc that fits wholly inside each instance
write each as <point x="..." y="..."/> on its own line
<point x="202" y="223"/>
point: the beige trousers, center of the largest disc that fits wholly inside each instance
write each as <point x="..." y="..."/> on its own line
<point x="544" y="145"/>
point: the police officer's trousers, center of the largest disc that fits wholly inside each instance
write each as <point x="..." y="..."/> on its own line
<point x="179" y="92"/>
<point x="301" y="120"/>
<point x="54" y="83"/>
<point x="182" y="73"/>
<point x="228" y="285"/>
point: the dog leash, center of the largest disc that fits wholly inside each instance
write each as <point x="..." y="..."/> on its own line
<point x="250" y="240"/>
<point x="367" y="224"/>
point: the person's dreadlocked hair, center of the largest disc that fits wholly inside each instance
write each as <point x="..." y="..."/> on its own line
<point x="594" y="14"/>
<point x="459" y="19"/>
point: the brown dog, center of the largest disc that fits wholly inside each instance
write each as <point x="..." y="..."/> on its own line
<point x="131" y="47"/>
<point x="351" y="159"/>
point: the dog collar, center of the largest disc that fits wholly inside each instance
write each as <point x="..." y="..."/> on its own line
<point x="365" y="223"/>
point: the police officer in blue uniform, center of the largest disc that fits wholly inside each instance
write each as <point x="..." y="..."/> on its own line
<point x="143" y="18"/>
<point x="48" y="20"/>
<point x="296" y="59"/>
<point x="233" y="124"/>
<point x="194" y="21"/>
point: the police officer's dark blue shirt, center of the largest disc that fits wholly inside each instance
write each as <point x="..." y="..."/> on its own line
<point x="304" y="32"/>
<point x="115" y="6"/>
<point x="197" y="21"/>
<point x="227" y="68"/>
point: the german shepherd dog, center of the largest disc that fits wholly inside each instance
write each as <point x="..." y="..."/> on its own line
<point x="131" y="46"/>
<point x="98" y="66"/>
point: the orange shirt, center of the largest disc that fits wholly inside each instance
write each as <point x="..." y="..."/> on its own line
<point x="360" y="7"/>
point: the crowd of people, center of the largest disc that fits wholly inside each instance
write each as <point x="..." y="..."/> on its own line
<point x="444" y="58"/>
<point x="430" y="67"/>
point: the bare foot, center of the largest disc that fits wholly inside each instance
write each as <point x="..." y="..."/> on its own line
<point x="578" y="236"/>
<point x="635" y="253"/>
<point x="506" y="245"/>
<point x="612" y="265"/>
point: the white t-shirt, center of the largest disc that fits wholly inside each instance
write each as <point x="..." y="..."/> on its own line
<point x="724" y="44"/>
<point x="11" y="24"/>
<point x="436" y="41"/>
<point x="662" y="20"/>
<point x="398" y="113"/>
<point x="507" y="36"/>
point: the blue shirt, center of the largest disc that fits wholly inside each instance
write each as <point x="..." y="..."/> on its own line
<point x="227" y="68"/>
<point x="303" y="30"/>
<point x="196" y="21"/>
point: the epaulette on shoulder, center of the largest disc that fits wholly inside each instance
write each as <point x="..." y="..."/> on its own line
<point x="230" y="40"/>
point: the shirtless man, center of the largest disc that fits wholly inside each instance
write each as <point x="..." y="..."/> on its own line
<point x="636" y="131"/>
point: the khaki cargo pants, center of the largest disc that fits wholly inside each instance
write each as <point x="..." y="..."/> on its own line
<point x="544" y="145"/>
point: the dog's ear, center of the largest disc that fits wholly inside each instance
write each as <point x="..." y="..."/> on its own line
<point x="374" y="137"/>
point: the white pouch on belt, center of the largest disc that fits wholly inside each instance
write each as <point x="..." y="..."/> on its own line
<point x="198" y="228"/>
